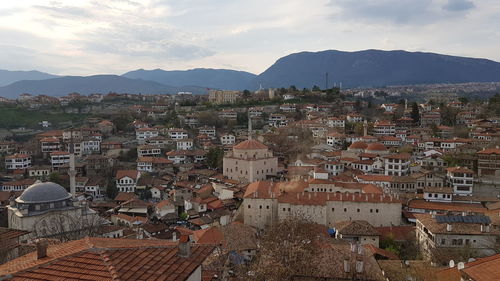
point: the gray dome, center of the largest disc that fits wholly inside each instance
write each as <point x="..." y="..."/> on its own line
<point x="43" y="193"/>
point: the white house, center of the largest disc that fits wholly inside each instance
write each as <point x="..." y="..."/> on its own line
<point x="335" y="122"/>
<point x="184" y="144"/>
<point x="142" y="134"/>
<point x="126" y="180"/>
<point x="17" y="161"/>
<point x="177" y="134"/>
<point x="397" y="164"/>
<point x="148" y="150"/>
<point x="209" y="131"/>
<point x="461" y="179"/>
<point x="91" y="146"/>
<point x="59" y="158"/>
<point x="228" y="139"/>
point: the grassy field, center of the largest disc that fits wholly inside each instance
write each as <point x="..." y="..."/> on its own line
<point x="18" y="117"/>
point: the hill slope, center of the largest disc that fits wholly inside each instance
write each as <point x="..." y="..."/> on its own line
<point x="203" y="77"/>
<point x="7" y="77"/>
<point x="90" y="84"/>
<point x="375" y="68"/>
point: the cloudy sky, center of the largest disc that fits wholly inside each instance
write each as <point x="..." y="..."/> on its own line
<point x="83" y="37"/>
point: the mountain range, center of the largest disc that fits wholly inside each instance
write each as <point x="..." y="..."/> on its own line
<point x="369" y="68"/>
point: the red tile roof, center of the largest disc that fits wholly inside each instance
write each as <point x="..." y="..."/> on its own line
<point x="490" y="151"/>
<point x="108" y="259"/>
<point x="381" y="178"/>
<point x="133" y="174"/>
<point x="17" y="155"/>
<point x="358" y="145"/>
<point x="209" y="236"/>
<point x="320" y="198"/>
<point x="377" y="251"/>
<point x="376" y="146"/>
<point x="125" y="196"/>
<point x="250" y="144"/>
<point x="154" y="160"/>
<point x="398" y="233"/>
<point x="9" y="233"/>
<point x="441" y="206"/>
<point x="460" y="170"/>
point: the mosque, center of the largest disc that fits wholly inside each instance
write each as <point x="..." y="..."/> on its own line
<point x="49" y="210"/>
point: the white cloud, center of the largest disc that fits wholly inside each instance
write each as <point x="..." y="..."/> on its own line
<point x="114" y="36"/>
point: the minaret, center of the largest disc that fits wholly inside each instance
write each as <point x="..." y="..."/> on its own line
<point x="72" y="170"/>
<point x="365" y="128"/>
<point x="249" y="126"/>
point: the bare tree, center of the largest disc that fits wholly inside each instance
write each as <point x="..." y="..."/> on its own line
<point x="285" y="250"/>
<point x="65" y="227"/>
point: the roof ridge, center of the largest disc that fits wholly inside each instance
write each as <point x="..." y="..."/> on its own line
<point x="107" y="262"/>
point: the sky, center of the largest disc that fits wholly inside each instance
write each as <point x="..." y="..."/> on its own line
<point x="85" y="37"/>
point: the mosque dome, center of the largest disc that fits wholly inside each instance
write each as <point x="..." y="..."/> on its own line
<point x="46" y="192"/>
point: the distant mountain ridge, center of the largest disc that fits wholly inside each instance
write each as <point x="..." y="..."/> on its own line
<point x="375" y="68"/>
<point x="203" y="77"/>
<point x="8" y="77"/>
<point x="369" y="68"/>
<point x="91" y="84"/>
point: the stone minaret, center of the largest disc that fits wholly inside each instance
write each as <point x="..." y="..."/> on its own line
<point x="249" y="126"/>
<point x="72" y="169"/>
<point x="365" y="128"/>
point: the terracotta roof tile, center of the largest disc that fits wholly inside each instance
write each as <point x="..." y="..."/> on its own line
<point x="108" y="259"/>
<point x="133" y="174"/>
<point x="250" y="144"/>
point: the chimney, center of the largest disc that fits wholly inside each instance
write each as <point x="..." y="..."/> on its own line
<point x="41" y="249"/>
<point x="346" y="266"/>
<point x="184" y="247"/>
<point x="449" y="227"/>
<point x="359" y="265"/>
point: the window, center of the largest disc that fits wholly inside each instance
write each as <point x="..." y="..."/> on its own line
<point x="345" y="210"/>
<point x="358" y="210"/>
<point x="443" y="241"/>
<point x="248" y="206"/>
<point x="260" y="207"/>
<point x="376" y="210"/>
<point x="333" y="209"/>
<point x="267" y="207"/>
<point x="371" y="210"/>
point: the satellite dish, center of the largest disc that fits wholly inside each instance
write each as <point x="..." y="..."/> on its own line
<point x="407" y="262"/>
<point x="461" y="265"/>
<point x="452" y="263"/>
